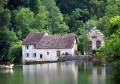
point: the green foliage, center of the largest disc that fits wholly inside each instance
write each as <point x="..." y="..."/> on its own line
<point x="102" y="51"/>
<point x="56" y="24"/>
<point x="89" y="24"/>
<point x="116" y="72"/>
<point x="73" y="21"/>
<point x="114" y="40"/>
<point x="7" y="39"/>
<point x="4" y="14"/>
<point x="32" y="4"/>
<point x="85" y="44"/>
<point x="115" y="48"/>
<point x="94" y="7"/>
<point x="5" y="18"/>
<point x="103" y="24"/>
<point x="41" y="19"/>
<point x="2" y="5"/>
<point x="15" y="51"/>
<point x="94" y="51"/>
<point x="24" y="18"/>
<point x="80" y="46"/>
<point x="113" y="8"/>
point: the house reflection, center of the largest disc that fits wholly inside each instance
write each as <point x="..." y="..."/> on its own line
<point x="53" y="73"/>
<point x="98" y="75"/>
<point x="95" y="74"/>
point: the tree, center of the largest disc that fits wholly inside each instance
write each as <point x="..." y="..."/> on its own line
<point x="113" y="8"/>
<point x="102" y="51"/>
<point x="103" y="24"/>
<point x="34" y="6"/>
<point x="115" y="24"/>
<point x="115" y="38"/>
<point x="56" y="23"/>
<point x="85" y="44"/>
<point x="5" y="18"/>
<point x="24" y="18"/>
<point x="31" y="4"/>
<point x="74" y="21"/>
<point x="41" y="19"/>
<point x="4" y="14"/>
<point x="15" y="51"/>
<point x="7" y="39"/>
<point x="94" y="7"/>
<point x="14" y="4"/>
<point x="2" y="5"/>
<point x="89" y="24"/>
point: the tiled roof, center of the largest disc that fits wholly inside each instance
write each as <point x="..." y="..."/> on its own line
<point x="56" y="42"/>
<point x="50" y="41"/>
<point x="33" y="38"/>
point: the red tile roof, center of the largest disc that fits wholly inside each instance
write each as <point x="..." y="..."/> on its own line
<point x="51" y="41"/>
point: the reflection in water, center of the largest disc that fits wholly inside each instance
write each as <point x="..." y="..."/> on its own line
<point x="53" y="73"/>
<point x="88" y="73"/>
<point x="66" y="73"/>
<point x="98" y="75"/>
<point x="58" y="73"/>
<point x="7" y="71"/>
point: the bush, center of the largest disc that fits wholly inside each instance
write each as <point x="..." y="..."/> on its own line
<point x="15" y="52"/>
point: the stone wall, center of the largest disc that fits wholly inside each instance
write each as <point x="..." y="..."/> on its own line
<point x="96" y="39"/>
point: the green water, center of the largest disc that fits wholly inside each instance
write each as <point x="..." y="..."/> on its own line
<point x="58" y="73"/>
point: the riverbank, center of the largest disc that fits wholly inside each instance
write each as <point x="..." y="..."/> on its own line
<point x="62" y="59"/>
<point x="71" y="58"/>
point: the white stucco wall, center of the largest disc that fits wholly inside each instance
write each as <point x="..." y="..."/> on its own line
<point x="52" y="53"/>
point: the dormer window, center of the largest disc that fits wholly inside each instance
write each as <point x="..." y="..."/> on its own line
<point x="27" y="47"/>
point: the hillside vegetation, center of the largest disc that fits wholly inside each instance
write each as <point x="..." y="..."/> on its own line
<point x="20" y="17"/>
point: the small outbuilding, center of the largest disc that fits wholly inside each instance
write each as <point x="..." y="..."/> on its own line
<point x="96" y="39"/>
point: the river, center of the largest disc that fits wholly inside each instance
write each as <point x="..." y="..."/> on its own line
<point x="58" y="73"/>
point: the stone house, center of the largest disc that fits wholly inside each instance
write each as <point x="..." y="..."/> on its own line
<point x="96" y="39"/>
<point x="43" y="47"/>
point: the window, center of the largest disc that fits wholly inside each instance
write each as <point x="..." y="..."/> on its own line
<point x="34" y="54"/>
<point x="27" y="54"/>
<point x="58" y="53"/>
<point x="47" y="53"/>
<point x="94" y="36"/>
<point x="27" y="47"/>
<point x="98" y="43"/>
<point x="40" y="55"/>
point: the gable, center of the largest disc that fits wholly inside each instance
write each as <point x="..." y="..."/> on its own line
<point x="95" y="34"/>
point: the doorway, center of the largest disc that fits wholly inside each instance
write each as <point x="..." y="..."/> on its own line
<point x="58" y="53"/>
